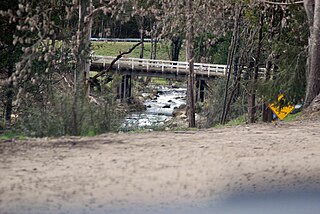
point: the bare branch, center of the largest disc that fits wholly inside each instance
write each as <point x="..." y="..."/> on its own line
<point x="281" y="3"/>
<point x="113" y="62"/>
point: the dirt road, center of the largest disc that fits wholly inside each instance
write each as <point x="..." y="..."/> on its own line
<point x="113" y="173"/>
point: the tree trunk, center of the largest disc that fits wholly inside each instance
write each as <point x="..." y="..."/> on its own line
<point x="141" y="23"/>
<point x="176" y="44"/>
<point x="155" y="49"/>
<point x="83" y="67"/>
<point x="152" y="55"/>
<point x="190" y="57"/>
<point x="252" y="101"/>
<point x="9" y="95"/>
<point x="313" y="67"/>
<point x="266" y="111"/>
<point x="232" y="48"/>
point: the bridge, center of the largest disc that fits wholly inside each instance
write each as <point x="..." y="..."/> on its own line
<point x="158" y="68"/>
<point x="129" y="67"/>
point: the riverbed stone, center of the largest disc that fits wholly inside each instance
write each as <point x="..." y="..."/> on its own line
<point x="182" y="109"/>
<point x="174" y="85"/>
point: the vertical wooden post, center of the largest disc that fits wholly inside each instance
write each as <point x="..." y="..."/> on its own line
<point x="130" y="86"/>
<point x="124" y="82"/>
<point x="125" y="88"/>
<point x="201" y="90"/>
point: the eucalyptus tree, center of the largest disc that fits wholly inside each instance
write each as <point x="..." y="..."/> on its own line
<point x="283" y="45"/>
<point x="312" y="8"/>
<point x="192" y="18"/>
<point x="9" y="54"/>
<point x="140" y="13"/>
<point x="271" y="35"/>
<point x="54" y="36"/>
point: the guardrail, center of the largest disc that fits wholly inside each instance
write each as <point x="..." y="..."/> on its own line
<point x="163" y="66"/>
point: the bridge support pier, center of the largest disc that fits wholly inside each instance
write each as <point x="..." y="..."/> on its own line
<point x="200" y="85"/>
<point x="124" y="91"/>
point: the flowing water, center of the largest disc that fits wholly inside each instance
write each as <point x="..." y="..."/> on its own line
<point x="159" y="109"/>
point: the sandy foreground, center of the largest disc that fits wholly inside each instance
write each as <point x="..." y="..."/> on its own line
<point x="161" y="172"/>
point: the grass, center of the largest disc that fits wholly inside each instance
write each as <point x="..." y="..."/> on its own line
<point x="184" y="129"/>
<point x="114" y="48"/>
<point x="159" y="81"/>
<point x="242" y="119"/>
<point x="235" y="122"/>
<point x="8" y="135"/>
<point x="292" y="117"/>
<point x="89" y="133"/>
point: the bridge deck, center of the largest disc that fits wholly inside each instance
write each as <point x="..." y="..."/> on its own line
<point x="160" y="67"/>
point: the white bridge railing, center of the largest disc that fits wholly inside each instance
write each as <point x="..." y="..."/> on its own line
<point x="163" y="66"/>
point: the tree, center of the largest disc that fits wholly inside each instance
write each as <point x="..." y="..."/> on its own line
<point x="312" y="8"/>
<point x="230" y="62"/>
<point x="192" y="18"/>
<point x="190" y="59"/>
<point x="9" y="53"/>
<point x="47" y="66"/>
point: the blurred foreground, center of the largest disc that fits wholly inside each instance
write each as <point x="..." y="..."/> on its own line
<point x="243" y="169"/>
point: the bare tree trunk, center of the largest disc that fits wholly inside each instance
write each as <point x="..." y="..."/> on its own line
<point x="310" y="10"/>
<point x="141" y="23"/>
<point x="155" y="49"/>
<point x="176" y="44"/>
<point x="153" y="53"/>
<point x="190" y="53"/>
<point x="82" y="59"/>
<point x="252" y="106"/>
<point x="232" y="49"/>
<point x="266" y="111"/>
<point x="9" y="96"/>
<point x="151" y="47"/>
<point x="313" y="67"/>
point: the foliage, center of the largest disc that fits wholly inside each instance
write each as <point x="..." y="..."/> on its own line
<point x="290" y="55"/>
<point x="213" y="104"/>
<point x="55" y="119"/>
<point x="210" y="49"/>
<point x="45" y="51"/>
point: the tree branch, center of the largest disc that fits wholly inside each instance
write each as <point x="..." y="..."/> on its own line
<point x="281" y="3"/>
<point x="113" y="62"/>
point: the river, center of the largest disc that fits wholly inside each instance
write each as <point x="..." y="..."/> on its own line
<point x="159" y="109"/>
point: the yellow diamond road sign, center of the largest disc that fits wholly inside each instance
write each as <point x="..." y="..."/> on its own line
<point x="281" y="112"/>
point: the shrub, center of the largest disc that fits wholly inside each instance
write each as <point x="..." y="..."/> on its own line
<point x="56" y="117"/>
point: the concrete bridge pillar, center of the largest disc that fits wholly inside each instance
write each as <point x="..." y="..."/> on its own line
<point x="200" y="91"/>
<point x="124" y="91"/>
